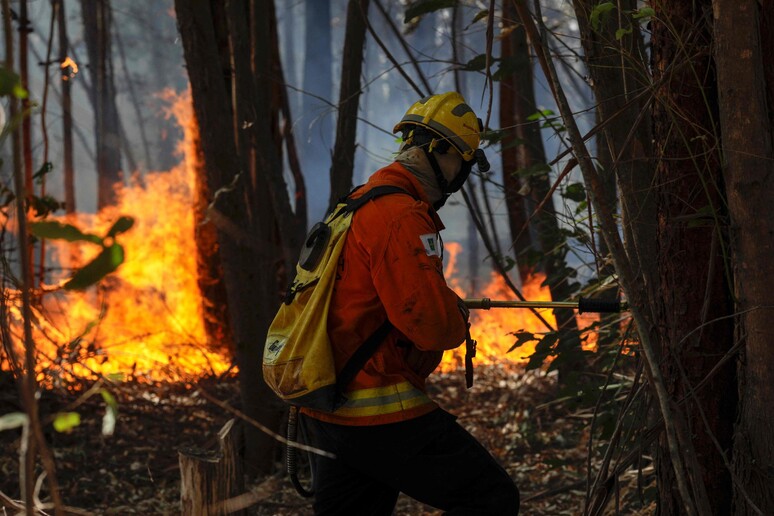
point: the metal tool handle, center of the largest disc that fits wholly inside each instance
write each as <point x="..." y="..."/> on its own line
<point x="582" y="305"/>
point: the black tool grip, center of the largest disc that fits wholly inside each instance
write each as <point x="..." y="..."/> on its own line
<point x="598" y="306"/>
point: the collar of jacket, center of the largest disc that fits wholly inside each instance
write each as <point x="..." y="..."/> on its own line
<point x="397" y="175"/>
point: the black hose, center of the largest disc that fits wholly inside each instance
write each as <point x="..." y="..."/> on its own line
<point x="291" y="456"/>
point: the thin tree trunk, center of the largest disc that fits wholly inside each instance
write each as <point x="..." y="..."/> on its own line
<point x="525" y="147"/>
<point x="749" y="179"/>
<point x="67" y="115"/>
<point x="24" y="29"/>
<point x="138" y="109"/>
<point x="460" y="84"/>
<point x="520" y="137"/>
<point x="617" y="65"/>
<point x="96" y="20"/>
<point x="349" y="97"/>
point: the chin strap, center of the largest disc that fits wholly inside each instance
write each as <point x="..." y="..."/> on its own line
<point x="439" y="177"/>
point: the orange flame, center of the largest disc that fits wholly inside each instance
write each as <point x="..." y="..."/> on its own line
<point x="494" y="329"/>
<point x="146" y="318"/>
<point x="69" y="68"/>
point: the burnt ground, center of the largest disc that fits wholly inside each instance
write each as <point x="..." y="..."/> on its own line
<point x="542" y="444"/>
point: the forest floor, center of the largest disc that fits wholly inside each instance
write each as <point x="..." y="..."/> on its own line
<point x="542" y="445"/>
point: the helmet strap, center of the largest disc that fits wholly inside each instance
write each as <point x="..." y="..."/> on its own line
<point x="439" y="177"/>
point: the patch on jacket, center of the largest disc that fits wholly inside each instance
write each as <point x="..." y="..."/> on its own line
<point x="432" y="244"/>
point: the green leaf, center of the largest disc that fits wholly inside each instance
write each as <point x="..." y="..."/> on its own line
<point x="522" y="337"/>
<point x="111" y="414"/>
<point x="421" y="7"/>
<point x="41" y="173"/>
<point x="509" y="66"/>
<point x="480" y="15"/>
<point x="6" y="196"/>
<point x="58" y="231"/>
<point x="12" y="420"/>
<point x="10" y="84"/>
<point x="19" y="92"/>
<point x="106" y="262"/>
<point x="543" y="113"/>
<point x="66" y="421"/>
<point x="110" y="400"/>
<point x="599" y="13"/>
<point x="575" y="192"/>
<point x="44" y="205"/>
<point x="645" y="12"/>
<point x="476" y="64"/>
<point x="122" y="225"/>
<point x="620" y="33"/>
<point x="537" y="169"/>
<point x="542" y="351"/>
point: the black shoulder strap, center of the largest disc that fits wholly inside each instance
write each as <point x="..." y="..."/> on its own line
<point x="377" y="191"/>
<point x="361" y="356"/>
<point x="368" y="348"/>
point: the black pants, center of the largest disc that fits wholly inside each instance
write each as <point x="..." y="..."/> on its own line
<point x="431" y="459"/>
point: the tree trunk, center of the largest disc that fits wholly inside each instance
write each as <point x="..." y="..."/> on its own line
<point x="519" y="138"/>
<point x="618" y="67"/>
<point x="749" y="178"/>
<point x="67" y="115"/>
<point x="317" y="113"/>
<point x="250" y="257"/>
<point x="26" y="124"/>
<point x="472" y="251"/>
<point x="96" y="20"/>
<point x="208" y="265"/>
<point x="210" y="477"/>
<point x="694" y="300"/>
<point x="524" y="146"/>
<point x="349" y="100"/>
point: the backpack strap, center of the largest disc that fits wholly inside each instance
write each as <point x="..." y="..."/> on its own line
<point x="361" y="356"/>
<point x="366" y="350"/>
<point x="377" y="191"/>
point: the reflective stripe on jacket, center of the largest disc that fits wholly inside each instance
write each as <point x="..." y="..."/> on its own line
<point x="391" y="267"/>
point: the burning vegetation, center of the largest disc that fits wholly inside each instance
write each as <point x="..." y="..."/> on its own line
<point x="145" y="320"/>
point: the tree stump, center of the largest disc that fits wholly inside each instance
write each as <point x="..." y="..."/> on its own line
<point x="210" y="477"/>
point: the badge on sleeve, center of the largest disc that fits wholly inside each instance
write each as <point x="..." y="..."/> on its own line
<point x="432" y="244"/>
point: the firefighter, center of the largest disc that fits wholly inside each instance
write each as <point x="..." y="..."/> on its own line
<point x="390" y="437"/>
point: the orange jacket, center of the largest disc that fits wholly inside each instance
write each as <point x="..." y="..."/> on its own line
<point x="391" y="267"/>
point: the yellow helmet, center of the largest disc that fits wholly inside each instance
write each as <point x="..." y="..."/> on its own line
<point x="448" y="116"/>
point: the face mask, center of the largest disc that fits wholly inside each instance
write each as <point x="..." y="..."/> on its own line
<point x="424" y="139"/>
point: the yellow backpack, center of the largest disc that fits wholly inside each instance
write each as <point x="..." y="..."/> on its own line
<point x="297" y="357"/>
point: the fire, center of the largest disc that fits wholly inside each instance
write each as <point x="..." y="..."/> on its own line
<point x="146" y="318"/>
<point x="494" y="329"/>
<point x="69" y="68"/>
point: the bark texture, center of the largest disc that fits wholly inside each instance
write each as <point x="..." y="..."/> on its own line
<point x="96" y="19"/>
<point x="749" y="175"/>
<point x="210" y="477"/>
<point x="694" y="299"/>
<point x="244" y="176"/>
